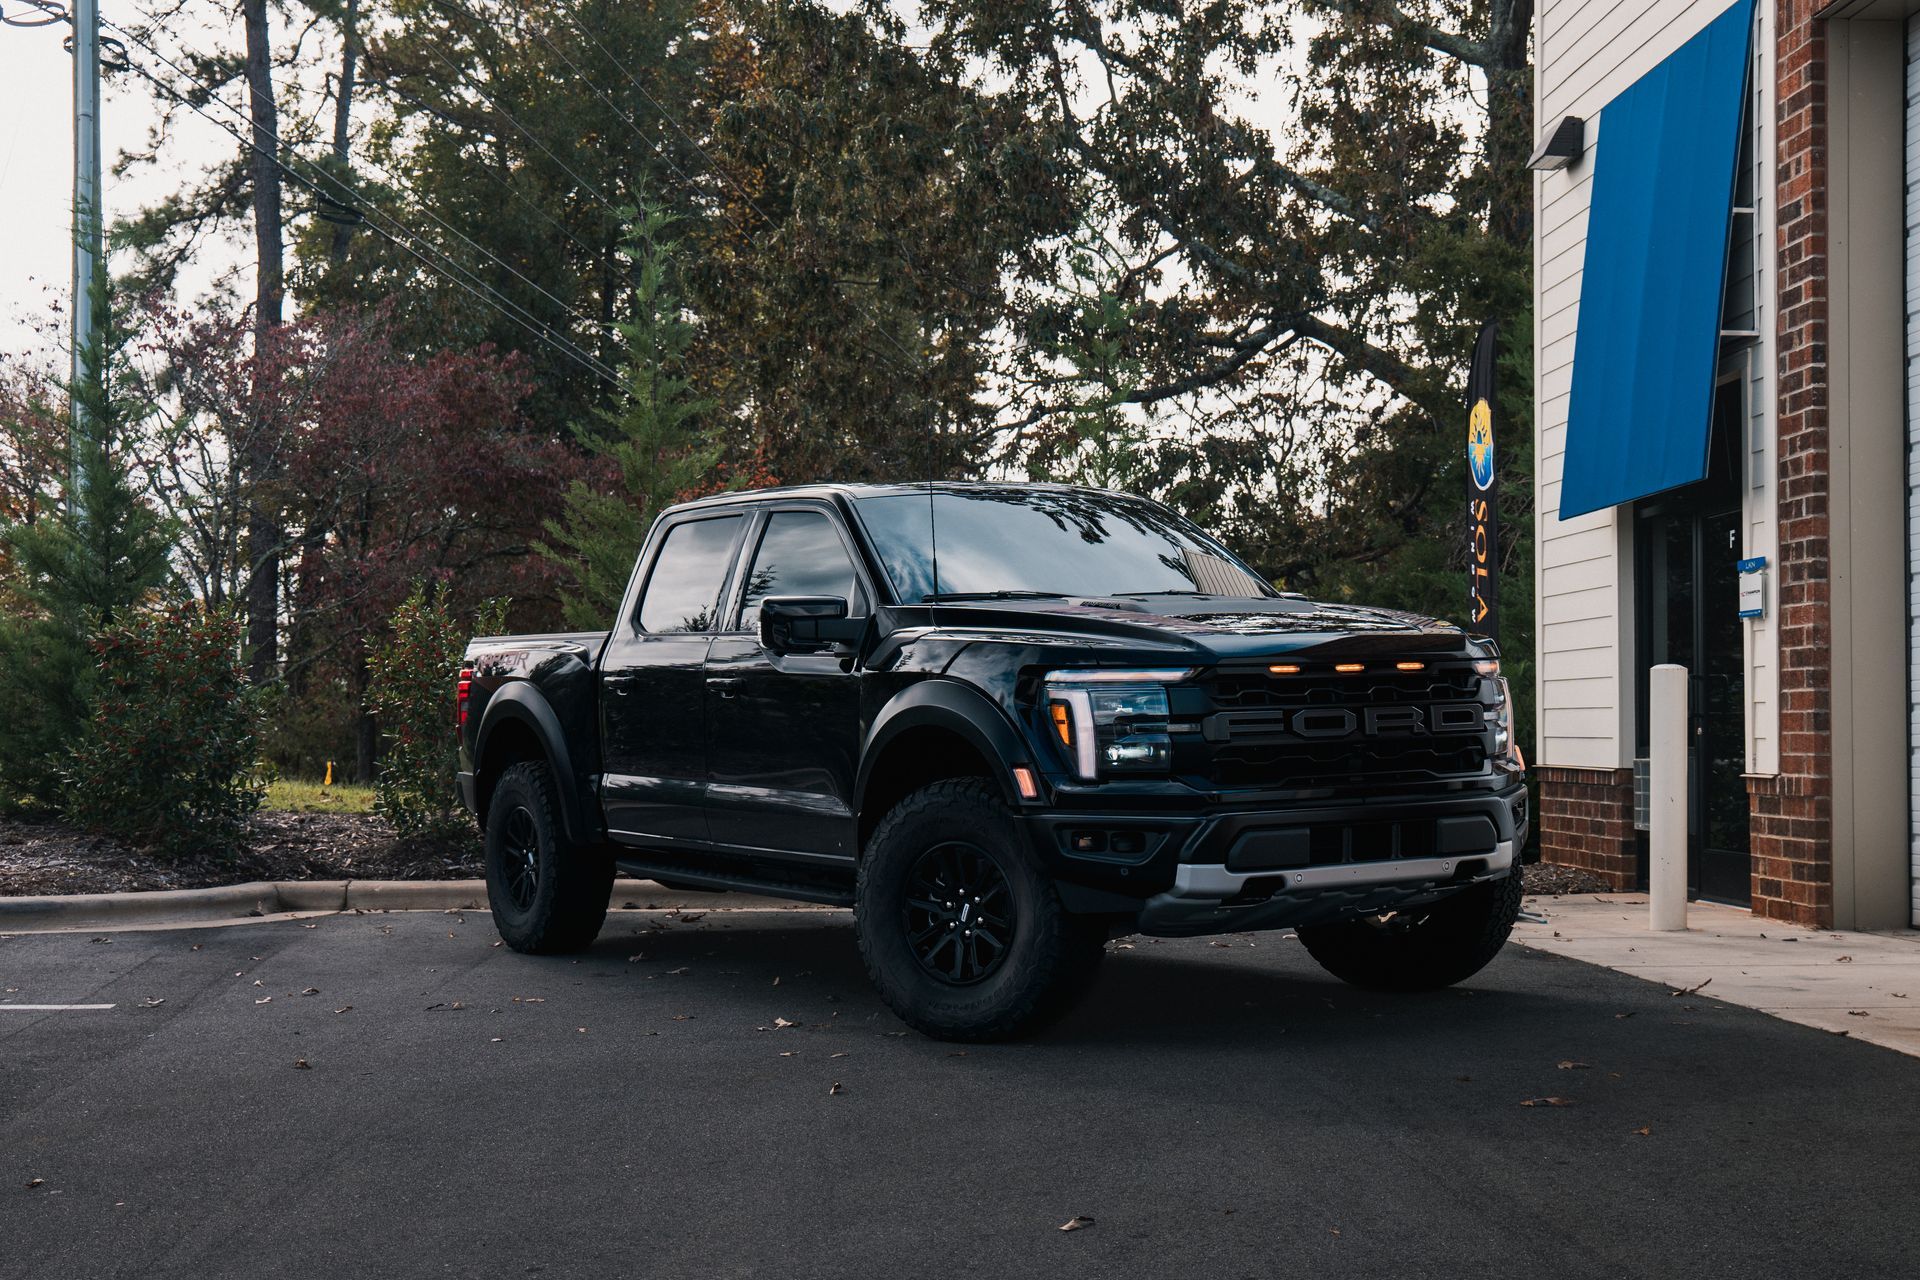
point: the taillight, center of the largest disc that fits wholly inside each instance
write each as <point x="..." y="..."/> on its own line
<point x="461" y="692"/>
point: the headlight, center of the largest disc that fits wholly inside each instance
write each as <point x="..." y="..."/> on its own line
<point x="1112" y="722"/>
<point x="1505" y="747"/>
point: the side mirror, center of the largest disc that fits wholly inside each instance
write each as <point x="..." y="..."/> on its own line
<point x="807" y="624"/>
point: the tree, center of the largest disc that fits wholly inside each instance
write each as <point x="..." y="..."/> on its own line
<point x="78" y="561"/>
<point x="657" y="443"/>
<point x="1307" y="300"/>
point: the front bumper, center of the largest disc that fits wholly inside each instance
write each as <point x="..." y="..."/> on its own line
<point x="1210" y="898"/>
<point x="1263" y="868"/>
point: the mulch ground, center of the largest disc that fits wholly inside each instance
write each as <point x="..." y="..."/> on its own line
<point x="47" y="857"/>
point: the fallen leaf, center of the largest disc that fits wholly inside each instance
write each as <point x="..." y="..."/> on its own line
<point x="1687" y="991"/>
<point x="788" y="1053"/>
<point x="635" y="958"/>
<point x="1219" y="944"/>
<point x="782" y="1022"/>
<point x="303" y="1064"/>
<point x="1857" y="1013"/>
<point x="152" y="1002"/>
<point x="1628" y="1014"/>
<point x="498" y="1039"/>
<point x="1569" y="1064"/>
<point x="311" y="991"/>
<point x="1646" y="1132"/>
<point x="834" y="1090"/>
<point x="841" y="1054"/>
<point x="682" y="1017"/>
<point x="776" y="979"/>
<point x="345" y="1008"/>
<point x="581" y="1030"/>
<point x="1843" y="959"/>
<point x="198" y="945"/>
<point x="1545" y="1102"/>
<point x="34" y="1182"/>
<point x="529" y="999"/>
<point x="682" y="969"/>
<point x="306" y="926"/>
<point x="1079" y="1223"/>
<point x="1334" y="1230"/>
<point x="689" y="917"/>
<point x="264" y="1000"/>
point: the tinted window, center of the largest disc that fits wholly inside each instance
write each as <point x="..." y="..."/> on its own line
<point x="683" y="592"/>
<point x="800" y="555"/>
<point x="1058" y="541"/>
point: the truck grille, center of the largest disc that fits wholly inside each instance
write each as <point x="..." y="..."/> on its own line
<point x="1320" y="730"/>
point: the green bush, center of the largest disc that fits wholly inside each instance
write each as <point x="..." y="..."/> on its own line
<point x="167" y="755"/>
<point x="412" y="691"/>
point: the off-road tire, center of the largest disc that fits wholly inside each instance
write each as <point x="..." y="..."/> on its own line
<point x="571" y="885"/>
<point x="1050" y="959"/>
<point x="1424" y="949"/>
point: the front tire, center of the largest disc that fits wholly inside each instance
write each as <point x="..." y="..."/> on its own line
<point x="1424" y="949"/>
<point x="548" y="895"/>
<point x="963" y="935"/>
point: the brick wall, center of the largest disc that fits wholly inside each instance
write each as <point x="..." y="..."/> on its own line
<point x="1586" y="821"/>
<point x="1793" y="813"/>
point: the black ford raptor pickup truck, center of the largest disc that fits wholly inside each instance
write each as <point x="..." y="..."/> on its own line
<point x="1004" y="724"/>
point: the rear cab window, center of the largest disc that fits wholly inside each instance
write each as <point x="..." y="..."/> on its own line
<point x="683" y="588"/>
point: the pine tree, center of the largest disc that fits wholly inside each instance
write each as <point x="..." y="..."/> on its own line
<point x="656" y="438"/>
<point x="97" y="552"/>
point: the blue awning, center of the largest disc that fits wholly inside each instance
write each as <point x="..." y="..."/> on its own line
<point x="1662" y="201"/>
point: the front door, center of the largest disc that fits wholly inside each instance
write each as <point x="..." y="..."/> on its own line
<point x="1689" y="546"/>
<point x="784" y="729"/>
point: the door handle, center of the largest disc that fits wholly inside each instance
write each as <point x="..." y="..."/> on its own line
<point x="724" y="685"/>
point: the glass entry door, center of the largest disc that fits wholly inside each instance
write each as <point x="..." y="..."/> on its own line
<point x="1688" y="547"/>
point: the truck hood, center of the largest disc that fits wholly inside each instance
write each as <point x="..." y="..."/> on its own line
<point x="1211" y="628"/>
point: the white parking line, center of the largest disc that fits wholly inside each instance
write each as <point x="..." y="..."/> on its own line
<point x="49" y="1008"/>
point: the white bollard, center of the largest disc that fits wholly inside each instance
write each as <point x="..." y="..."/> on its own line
<point x="1667" y="798"/>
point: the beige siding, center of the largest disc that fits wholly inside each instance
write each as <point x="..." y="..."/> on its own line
<point x="1586" y="53"/>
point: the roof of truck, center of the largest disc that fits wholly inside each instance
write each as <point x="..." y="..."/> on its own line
<point x="877" y="490"/>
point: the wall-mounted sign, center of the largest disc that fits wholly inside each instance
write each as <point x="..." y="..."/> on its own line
<point x="1753" y="587"/>
<point x="1483" y="490"/>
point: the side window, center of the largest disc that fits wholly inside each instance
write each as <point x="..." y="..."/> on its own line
<point x="800" y="555"/>
<point x="683" y="591"/>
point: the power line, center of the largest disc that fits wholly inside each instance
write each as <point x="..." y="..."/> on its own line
<point x="497" y="301"/>
<point x="290" y="149"/>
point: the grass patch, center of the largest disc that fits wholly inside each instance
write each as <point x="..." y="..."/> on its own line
<point x="294" y="795"/>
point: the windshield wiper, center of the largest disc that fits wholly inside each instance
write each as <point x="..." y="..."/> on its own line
<point x="947" y="597"/>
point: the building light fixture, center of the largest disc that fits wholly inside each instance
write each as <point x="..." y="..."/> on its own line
<point x="1562" y="147"/>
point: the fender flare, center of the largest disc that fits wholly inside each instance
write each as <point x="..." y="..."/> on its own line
<point x="521" y="702"/>
<point x="958" y="708"/>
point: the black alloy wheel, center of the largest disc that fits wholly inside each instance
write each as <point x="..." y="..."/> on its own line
<point x="520" y="863"/>
<point x="960" y="913"/>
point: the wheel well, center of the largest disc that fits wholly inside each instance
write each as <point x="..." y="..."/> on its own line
<point x="509" y="743"/>
<point x="916" y="758"/>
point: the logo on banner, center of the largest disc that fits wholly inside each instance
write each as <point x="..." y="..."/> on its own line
<point x="1480" y="445"/>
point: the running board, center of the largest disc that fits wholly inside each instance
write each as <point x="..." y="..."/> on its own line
<point x="743" y="884"/>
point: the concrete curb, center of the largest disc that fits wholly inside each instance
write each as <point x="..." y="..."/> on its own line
<point x="261" y="899"/>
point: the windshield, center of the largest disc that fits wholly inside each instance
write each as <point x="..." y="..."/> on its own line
<point x="995" y="541"/>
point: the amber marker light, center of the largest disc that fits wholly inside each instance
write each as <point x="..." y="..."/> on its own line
<point x="1062" y="723"/>
<point x="1285" y="668"/>
<point x="1029" y="785"/>
<point x="1409" y="666"/>
<point x="1349" y="668"/>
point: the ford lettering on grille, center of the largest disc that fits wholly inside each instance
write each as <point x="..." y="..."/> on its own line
<point x="1329" y="723"/>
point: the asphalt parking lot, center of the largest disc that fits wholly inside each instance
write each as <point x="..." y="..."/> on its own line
<point x="398" y="1095"/>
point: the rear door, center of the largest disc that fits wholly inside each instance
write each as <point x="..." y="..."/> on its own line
<point x="652" y="696"/>
<point x="784" y="729"/>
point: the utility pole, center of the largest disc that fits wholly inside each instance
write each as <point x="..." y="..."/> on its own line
<point x="87" y="214"/>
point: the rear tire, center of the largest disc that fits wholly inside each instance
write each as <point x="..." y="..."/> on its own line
<point x="1424" y="949"/>
<point x="963" y="935"/>
<point x="548" y="895"/>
